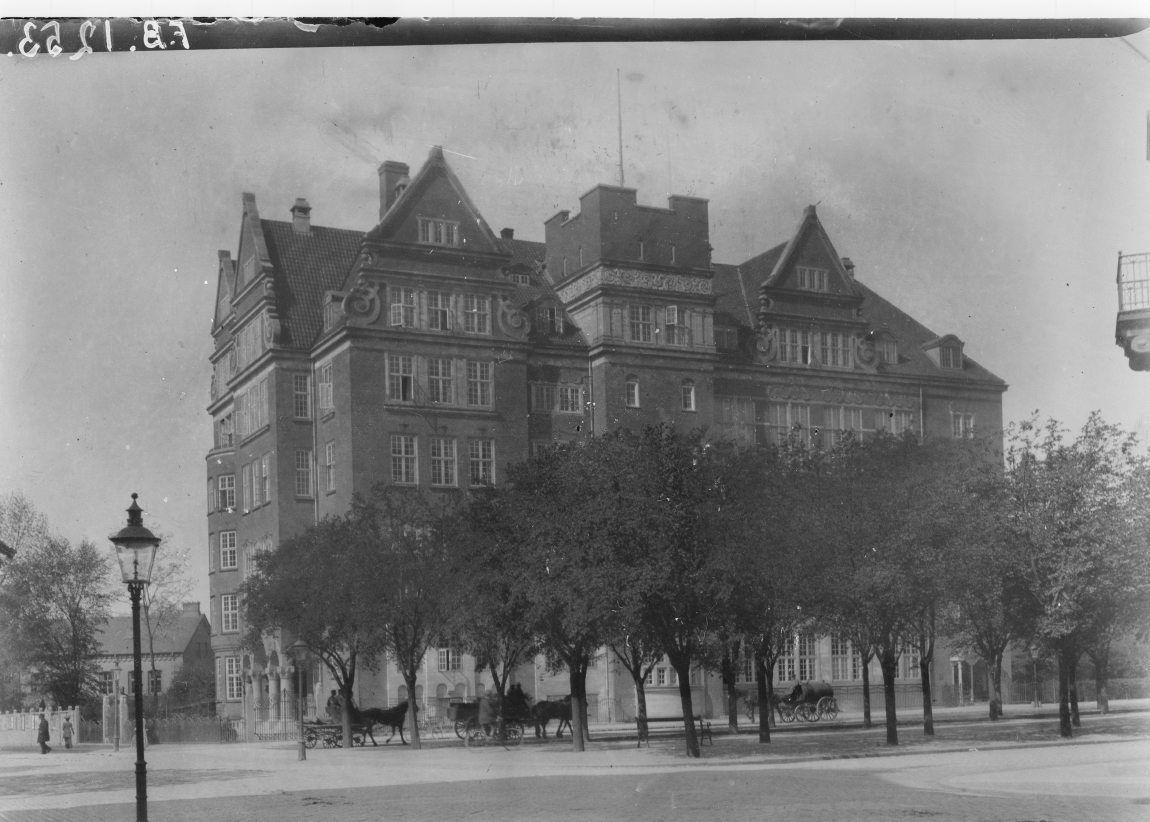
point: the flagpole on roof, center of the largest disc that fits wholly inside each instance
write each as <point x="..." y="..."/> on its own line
<point x="619" y="101"/>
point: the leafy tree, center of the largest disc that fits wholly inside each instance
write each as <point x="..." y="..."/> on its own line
<point x="163" y="599"/>
<point x="638" y="653"/>
<point x="320" y="587"/>
<point x="54" y="598"/>
<point x="193" y="689"/>
<point x="1077" y="514"/>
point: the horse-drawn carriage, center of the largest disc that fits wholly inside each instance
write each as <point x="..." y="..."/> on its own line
<point x="363" y="723"/>
<point x="809" y="701"/>
<point x="476" y="723"/>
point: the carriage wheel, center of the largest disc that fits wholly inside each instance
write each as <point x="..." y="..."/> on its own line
<point x="474" y="734"/>
<point x="787" y="713"/>
<point x="310" y="740"/>
<point x="461" y="728"/>
<point x="809" y="712"/>
<point x="828" y="707"/>
<point x="358" y="739"/>
<point x="513" y="732"/>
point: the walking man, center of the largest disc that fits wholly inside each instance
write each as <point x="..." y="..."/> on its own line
<point x="66" y="732"/>
<point x="42" y="736"/>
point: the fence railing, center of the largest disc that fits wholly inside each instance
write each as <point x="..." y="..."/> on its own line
<point x="1133" y="282"/>
<point x="17" y="727"/>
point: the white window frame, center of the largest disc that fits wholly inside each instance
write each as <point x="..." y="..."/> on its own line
<point x="226" y="492"/>
<point x="449" y="659"/>
<point x="301" y="396"/>
<point x="329" y="463"/>
<point x="481" y="461"/>
<point x="265" y="480"/>
<point x="404" y="453"/>
<point x="444" y="462"/>
<point x="688" y="395"/>
<point x="631" y="392"/>
<point x="403" y="306"/>
<point x="324" y="384"/>
<point x="640" y="323"/>
<point x="812" y="279"/>
<point x="441" y="380"/>
<point x="438" y="311"/>
<point x="476" y="314"/>
<point x="439" y="232"/>
<point x="480" y="383"/>
<point x="400" y="378"/>
<point x="233" y="679"/>
<point x="304" y="478"/>
<point x="544" y="397"/>
<point x="962" y="425"/>
<point x="570" y="399"/>
<point x="229" y="613"/>
<point x="246" y="472"/>
<point x="229" y="555"/>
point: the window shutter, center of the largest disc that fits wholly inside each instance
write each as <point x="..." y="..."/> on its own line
<point x="213" y="553"/>
<point x="672" y="315"/>
<point x="220" y="695"/>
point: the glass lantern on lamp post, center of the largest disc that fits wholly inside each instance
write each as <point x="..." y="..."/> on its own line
<point x="136" y="552"/>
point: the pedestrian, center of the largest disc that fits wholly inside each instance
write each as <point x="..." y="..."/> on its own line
<point x="42" y="736"/>
<point x="335" y="707"/>
<point x="66" y="732"/>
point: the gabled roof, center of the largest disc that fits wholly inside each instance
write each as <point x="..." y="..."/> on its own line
<point x="809" y="226"/>
<point x="435" y="167"/>
<point x="307" y="265"/>
<point x="115" y="638"/>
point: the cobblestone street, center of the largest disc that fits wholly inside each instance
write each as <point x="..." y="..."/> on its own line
<point x="973" y="769"/>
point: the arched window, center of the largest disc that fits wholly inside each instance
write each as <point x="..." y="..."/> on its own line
<point x="688" y="393"/>
<point x="632" y="391"/>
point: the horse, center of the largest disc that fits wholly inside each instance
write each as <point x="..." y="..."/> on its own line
<point x="545" y="710"/>
<point x="390" y="717"/>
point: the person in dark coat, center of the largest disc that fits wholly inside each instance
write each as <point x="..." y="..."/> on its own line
<point x="66" y="732"/>
<point x="42" y="735"/>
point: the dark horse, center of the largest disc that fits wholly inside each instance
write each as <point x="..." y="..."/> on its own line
<point x="389" y="717"/>
<point x="545" y="710"/>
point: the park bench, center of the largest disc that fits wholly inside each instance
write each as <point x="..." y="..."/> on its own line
<point x="702" y="728"/>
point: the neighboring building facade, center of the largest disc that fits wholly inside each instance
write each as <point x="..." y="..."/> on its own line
<point x="182" y="643"/>
<point x="431" y="352"/>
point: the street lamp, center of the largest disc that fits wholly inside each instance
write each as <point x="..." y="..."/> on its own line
<point x="298" y="652"/>
<point x="136" y="551"/>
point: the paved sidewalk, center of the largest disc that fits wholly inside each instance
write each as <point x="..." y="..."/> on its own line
<point x="93" y="775"/>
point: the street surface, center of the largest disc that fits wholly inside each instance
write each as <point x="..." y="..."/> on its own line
<point x="1012" y="771"/>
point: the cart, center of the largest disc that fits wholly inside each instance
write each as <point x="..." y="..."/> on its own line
<point x="810" y="702"/>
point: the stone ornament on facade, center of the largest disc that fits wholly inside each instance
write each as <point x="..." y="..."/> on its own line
<point x="767" y="344"/>
<point x="634" y="278"/>
<point x="866" y="355"/>
<point x="513" y="321"/>
<point x="362" y="303"/>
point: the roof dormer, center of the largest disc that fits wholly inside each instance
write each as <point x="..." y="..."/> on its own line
<point x="945" y="352"/>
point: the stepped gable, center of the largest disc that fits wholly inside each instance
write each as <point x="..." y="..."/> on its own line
<point x="306" y="266"/>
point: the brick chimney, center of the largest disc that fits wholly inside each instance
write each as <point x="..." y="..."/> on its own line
<point x="507" y="233"/>
<point x="301" y="216"/>
<point x="849" y="266"/>
<point x="393" y="180"/>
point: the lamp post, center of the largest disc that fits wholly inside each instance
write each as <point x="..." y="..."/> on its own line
<point x="298" y="651"/>
<point x="136" y="551"/>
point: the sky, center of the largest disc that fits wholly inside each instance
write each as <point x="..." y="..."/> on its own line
<point x="986" y="188"/>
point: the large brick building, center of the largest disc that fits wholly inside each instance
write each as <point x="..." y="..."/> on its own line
<point x="430" y="351"/>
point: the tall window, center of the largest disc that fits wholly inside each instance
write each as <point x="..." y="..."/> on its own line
<point x="252" y="408"/>
<point x="887" y="350"/>
<point x="438" y="311"/>
<point x="223" y="429"/>
<point x="962" y="425"/>
<point x="845" y="661"/>
<point x="476" y="314"/>
<point x="835" y="349"/>
<point x="549" y="320"/>
<point x="678" y="331"/>
<point x="570" y="399"/>
<point x="323" y="381"/>
<point x="107" y="682"/>
<point x="795" y="346"/>
<point x="229" y="613"/>
<point x="264" y="484"/>
<point x="403" y="459"/>
<point x="449" y="660"/>
<point x="631" y="389"/>
<point x="329" y="465"/>
<point x="688" y="395"/>
<point x="400" y="378"/>
<point x="481" y="454"/>
<point x="403" y="306"/>
<point x="233" y="678"/>
<point x="640" y="327"/>
<point x="301" y="396"/>
<point x="155" y="681"/>
<point x="811" y="279"/>
<point x="226" y="491"/>
<point x="806" y="657"/>
<point x="543" y="397"/>
<point x="949" y="356"/>
<point x="440" y="382"/>
<point x="304" y="487"/>
<point x="228" y="551"/>
<point x="479" y="384"/>
<point x="443" y="461"/>
<point x="248" y="502"/>
<point x="908" y="660"/>
<point x="438" y="232"/>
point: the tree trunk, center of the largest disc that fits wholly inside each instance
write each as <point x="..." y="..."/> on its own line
<point x="578" y="681"/>
<point x="685" y="699"/>
<point x="995" y="675"/>
<point x="888" y="660"/>
<point x="345" y="723"/>
<point x="640" y="703"/>
<point x="927" y="699"/>
<point x="866" y="692"/>
<point x="765" y="707"/>
<point x="1073" y="672"/>
<point x="727" y="673"/>
<point x="412" y="707"/>
<point x="1064" y="727"/>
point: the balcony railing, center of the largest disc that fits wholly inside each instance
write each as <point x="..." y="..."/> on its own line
<point x="1133" y="282"/>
